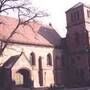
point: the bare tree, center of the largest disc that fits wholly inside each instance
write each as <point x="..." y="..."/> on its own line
<point x="24" y="12"/>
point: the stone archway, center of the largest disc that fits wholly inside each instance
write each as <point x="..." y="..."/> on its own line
<point x="24" y="78"/>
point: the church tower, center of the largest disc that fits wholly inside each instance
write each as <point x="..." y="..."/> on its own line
<point x="78" y="39"/>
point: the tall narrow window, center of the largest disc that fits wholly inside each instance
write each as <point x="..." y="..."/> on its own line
<point x="88" y="13"/>
<point x="63" y="62"/>
<point x="49" y="59"/>
<point x="1" y="47"/>
<point x="1" y="44"/>
<point x="77" y="39"/>
<point x="40" y="73"/>
<point x="80" y="74"/>
<point x="32" y="58"/>
<point x="75" y="16"/>
<point x="73" y="60"/>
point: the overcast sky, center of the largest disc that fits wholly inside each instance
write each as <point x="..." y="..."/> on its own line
<point x="56" y="10"/>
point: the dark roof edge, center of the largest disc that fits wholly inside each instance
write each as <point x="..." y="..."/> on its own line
<point x="78" y="5"/>
<point x="41" y="45"/>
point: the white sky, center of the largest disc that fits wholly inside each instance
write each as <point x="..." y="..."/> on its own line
<point x="56" y="10"/>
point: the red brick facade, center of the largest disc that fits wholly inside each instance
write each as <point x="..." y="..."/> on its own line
<point x="76" y="63"/>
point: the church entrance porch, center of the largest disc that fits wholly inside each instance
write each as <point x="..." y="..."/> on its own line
<point x="23" y="78"/>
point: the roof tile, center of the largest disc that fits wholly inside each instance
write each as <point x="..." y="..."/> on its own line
<point x="33" y="33"/>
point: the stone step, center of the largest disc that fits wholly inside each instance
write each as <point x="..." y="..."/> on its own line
<point x="28" y="88"/>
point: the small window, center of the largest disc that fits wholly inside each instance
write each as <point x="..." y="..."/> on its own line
<point x="1" y="47"/>
<point x="49" y="59"/>
<point x="77" y="72"/>
<point x="77" y="38"/>
<point x="1" y="44"/>
<point x="32" y="58"/>
<point x="63" y="60"/>
<point x="73" y="60"/>
<point x="78" y="58"/>
<point x="80" y="73"/>
<point x="75" y="16"/>
<point x="88" y="13"/>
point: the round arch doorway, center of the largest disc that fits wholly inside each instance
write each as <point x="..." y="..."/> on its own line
<point x="24" y="78"/>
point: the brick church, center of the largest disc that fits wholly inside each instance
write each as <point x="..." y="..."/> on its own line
<point x="36" y="56"/>
<point x="76" y="57"/>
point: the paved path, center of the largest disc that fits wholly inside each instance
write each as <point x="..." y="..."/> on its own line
<point x="21" y="89"/>
<point x="86" y="88"/>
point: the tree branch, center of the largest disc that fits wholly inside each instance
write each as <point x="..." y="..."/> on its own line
<point x="25" y="15"/>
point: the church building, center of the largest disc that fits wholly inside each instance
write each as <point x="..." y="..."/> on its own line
<point x="32" y="55"/>
<point x="76" y="58"/>
<point x="36" y="56"/>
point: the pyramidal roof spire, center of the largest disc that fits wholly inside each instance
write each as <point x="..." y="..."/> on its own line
<point x="78" y="4"/>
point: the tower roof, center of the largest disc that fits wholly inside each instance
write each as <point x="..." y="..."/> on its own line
<point x="77" y="5"/>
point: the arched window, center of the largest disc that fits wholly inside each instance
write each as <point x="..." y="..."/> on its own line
<point x="32" y="58"/>
<point x="49" y="59"/>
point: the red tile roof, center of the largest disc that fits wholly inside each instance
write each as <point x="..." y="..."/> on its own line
<point x="39" y="35"/>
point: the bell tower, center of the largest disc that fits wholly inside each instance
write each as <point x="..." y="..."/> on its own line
<point x="77" y="40"/>
<point x="78" y="25"/>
